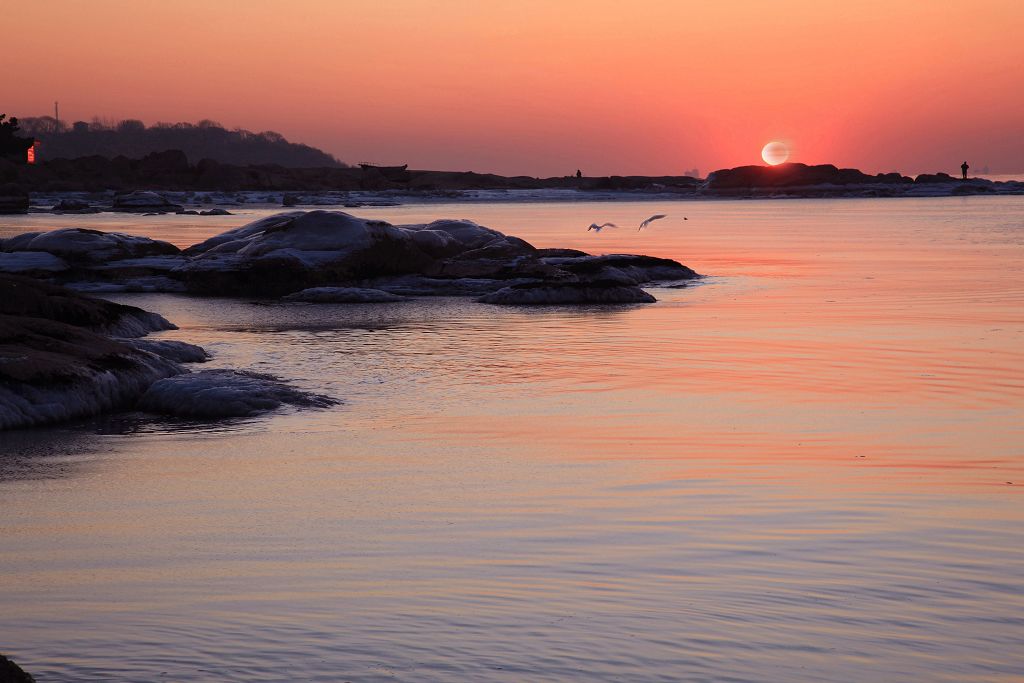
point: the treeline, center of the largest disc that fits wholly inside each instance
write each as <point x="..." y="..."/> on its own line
<point x="204" y="140"/>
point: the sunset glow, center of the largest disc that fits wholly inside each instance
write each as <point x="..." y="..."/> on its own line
<point x="544" y="88"/>
<point x="775" y="153"/>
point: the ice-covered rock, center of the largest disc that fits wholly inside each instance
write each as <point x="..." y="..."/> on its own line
<point x="343" y="295"/>
<point x="554" y="293"/>
<point x="224" y="393"/>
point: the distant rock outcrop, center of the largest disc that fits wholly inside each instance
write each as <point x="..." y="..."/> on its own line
<point x="795" y="175"/>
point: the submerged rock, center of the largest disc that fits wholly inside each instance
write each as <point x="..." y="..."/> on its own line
<point x="225" y="393"/>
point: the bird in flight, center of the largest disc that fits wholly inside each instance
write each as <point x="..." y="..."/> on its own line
<point x="598" y="228"/>
<point x="650" y="220"/>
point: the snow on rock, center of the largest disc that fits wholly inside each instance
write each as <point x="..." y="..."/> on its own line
<point x="548" y="293"/>
<point x="343" y="295"/>
<point x="224" y="393"/>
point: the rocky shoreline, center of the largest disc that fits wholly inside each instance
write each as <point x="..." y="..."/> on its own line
<point x="92" y="184"/>
<point x="64" y="355"/>
<point x="335" y="256"/>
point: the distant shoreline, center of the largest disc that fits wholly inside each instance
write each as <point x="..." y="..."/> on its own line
<point x="98" y="182"/>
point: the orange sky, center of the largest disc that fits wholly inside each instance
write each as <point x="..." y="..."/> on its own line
<point x="542" y="87"/>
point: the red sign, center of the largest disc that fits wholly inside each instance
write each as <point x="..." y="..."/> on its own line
<point x="31" y="153"/>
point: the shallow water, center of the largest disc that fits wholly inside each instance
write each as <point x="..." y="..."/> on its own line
<point x="798" y="469"/>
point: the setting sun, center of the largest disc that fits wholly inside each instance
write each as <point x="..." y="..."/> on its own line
<point x="775" y="153"/>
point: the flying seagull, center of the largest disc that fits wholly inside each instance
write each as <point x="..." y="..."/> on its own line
<point x="650" y="220"/>
<point x="598" y="228"/>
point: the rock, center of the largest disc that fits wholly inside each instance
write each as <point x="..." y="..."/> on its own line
<point x="56" y="360"/>
<point x="224" y="393"/>
<point x="24" y="297"/>
<point x="792" y="175"/>
<point x="297" y="250"/>
<point x="934" y="178"/>
<point x="216" y="212"/>
<point x="12" y="673"/>
<point x="90" y="260"/>
<point x="418" y="285"/>
<point x="624" y="268"/>
<point x="177" y="351"/>
<point x="74" y="206"/>
<point x="290" y="200"/>
<point x="548" y="293"/>
<point x="31" y="263"/>
<point x="343" y="295"/>
<point x="80" y="245"/>
<point x="13" y="200"/>
<point x="142" y="202"/>
<point x="325" y="256"/>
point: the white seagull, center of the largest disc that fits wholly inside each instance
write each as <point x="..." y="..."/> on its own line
<point x="650" y="220"/>
<point x="598" y="228"/>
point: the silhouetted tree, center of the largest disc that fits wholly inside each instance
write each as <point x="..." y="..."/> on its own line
<point x="12" y="146"/>
<point x="206" y="139"/>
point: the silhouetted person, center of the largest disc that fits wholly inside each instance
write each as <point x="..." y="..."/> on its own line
<point x="579" y="173"/>
<point x="964" y="167"/>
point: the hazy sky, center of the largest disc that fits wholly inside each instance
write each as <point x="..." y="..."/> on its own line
<point x="544" y="87"/>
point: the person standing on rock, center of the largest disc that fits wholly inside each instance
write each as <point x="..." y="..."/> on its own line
<point x="964" y="167"/>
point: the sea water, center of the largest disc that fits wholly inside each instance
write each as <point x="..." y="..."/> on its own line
<point x="807" y="466"/>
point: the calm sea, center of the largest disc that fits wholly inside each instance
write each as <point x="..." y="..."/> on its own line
<point x="807" y="467"/>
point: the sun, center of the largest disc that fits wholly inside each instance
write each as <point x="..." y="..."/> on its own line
<point x="774" y="153"/>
